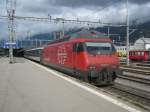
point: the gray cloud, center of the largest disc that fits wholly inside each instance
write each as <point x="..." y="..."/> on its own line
<point x="102" y="3"/>
<point x="139" y="1"/>
<point x="4" y="29"/>
<point x="37" y="6"/>
<point x="81" y="3"/>
<point x="46" y="10"/>
<point x="72" y="9"/>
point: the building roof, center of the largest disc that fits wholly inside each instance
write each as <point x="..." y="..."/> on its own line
<point x="142" y="44"/>
<point x="143" y="41"/>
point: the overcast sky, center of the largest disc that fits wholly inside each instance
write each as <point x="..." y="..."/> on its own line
<point x="93" y="10"/>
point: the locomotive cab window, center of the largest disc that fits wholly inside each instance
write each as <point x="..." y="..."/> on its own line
<point x="100" y="48"/>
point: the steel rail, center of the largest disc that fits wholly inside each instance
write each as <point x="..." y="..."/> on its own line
<point x="135" y="79"/>
<point x="132" y="70"/>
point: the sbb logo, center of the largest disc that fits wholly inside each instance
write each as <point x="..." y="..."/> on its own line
<point x="61" y="55"/>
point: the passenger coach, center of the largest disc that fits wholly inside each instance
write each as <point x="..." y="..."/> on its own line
<point x="139" y="55"/>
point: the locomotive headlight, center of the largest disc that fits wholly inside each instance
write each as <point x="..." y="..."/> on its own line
<point x="92" y="67"/>
<point x="114" y="67"/>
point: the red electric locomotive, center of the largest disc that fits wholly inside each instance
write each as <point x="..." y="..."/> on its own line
<point x="139" y="55"/>
<point x="85" y="54"/>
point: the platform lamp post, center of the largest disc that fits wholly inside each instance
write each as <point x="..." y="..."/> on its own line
<point x="127" y="32"/>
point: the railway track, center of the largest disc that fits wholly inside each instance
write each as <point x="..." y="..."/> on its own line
<point x="140" y="70"/>
<point x="143" y="64"/>
<point x="134" y="91"/>
<point x="136" y="67"/>
<point x="135" y="79"/>
<point x="129" y="94"/>
<point x="136" y="96"/>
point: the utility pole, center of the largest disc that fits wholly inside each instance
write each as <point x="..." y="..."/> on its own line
<point x="63" y="29"/>
<point x="127" y="32"/>
<point x="108" y="32"/>
<point x="11" y="5"/>
<point x="88" y="26"/>
<point x="29" y="35"/>
<point x="54" y="35"/>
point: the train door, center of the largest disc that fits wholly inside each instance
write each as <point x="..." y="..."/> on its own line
<point x="77" y="49"/>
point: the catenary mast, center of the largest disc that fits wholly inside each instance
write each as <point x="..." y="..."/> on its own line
<point x="11" y="8"/>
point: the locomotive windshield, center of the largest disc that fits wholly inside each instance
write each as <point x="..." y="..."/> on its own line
<point x="99" y="48"/>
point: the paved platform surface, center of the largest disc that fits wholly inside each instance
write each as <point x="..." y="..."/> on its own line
<point x="25" y="87"/>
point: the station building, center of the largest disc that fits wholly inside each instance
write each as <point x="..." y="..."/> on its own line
<point x="142" y="44"/>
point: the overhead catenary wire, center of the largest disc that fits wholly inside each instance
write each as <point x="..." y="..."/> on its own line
<point x="58" y="20"/>
<point x="112" y="3"/>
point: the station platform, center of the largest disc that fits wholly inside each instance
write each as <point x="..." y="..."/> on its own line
<point x="29" y="87"/>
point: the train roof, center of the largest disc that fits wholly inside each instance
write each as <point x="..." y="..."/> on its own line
<point x="88" y="34"/>
<point x="143" y="41"/>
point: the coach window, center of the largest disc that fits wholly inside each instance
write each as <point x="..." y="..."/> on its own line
<point x="141" y="53"/>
